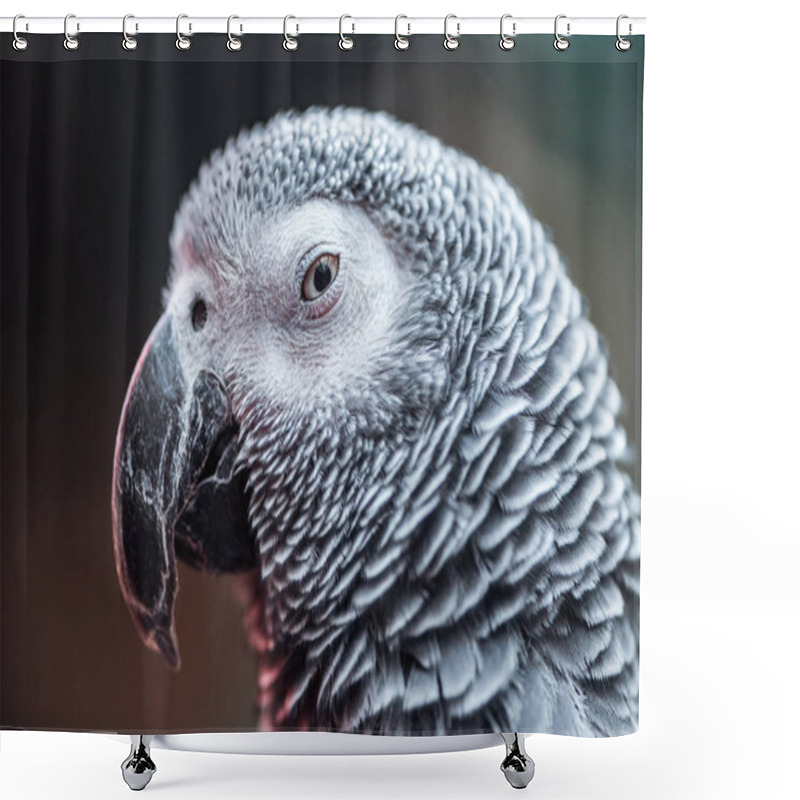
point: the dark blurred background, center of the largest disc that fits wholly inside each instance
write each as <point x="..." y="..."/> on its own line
<point x="96" y="149"/>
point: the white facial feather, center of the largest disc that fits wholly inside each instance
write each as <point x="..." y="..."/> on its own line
<point x="260" y="326"/>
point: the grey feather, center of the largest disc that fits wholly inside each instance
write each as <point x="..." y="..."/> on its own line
<point x="447" y="543"/>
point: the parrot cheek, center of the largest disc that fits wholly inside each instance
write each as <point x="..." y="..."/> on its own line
<point x="174" y="487"/>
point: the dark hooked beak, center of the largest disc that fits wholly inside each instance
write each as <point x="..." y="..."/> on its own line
<point x="174" y="491"/>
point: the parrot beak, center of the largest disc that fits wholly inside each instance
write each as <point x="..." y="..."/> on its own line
<point x="174" y="487"/>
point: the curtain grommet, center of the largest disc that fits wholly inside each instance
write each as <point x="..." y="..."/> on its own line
<point x="182" y="42"/>
<point x="451" y="42"/>
<point x="234" y="43"/>
<point x="129" y="42"/>
<point x="560" y="43"/>
<point x="70" y="42"/>
<point x="289" y="42"/>
<point x="401" y="42"/>
<point x="507" y="42"/>
<point x="622" y="44"/>
<point x="346" y="42"/>
<point x="20" y="43"/>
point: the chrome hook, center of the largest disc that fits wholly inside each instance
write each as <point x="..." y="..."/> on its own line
<point x="182" y="42"/>
<point x="345" y="42"/>
<point x="451" y="42"/>
<point x="561" y="43"/>
<point x="234" y="44"/>
<point x="20" y="42"/>
<point x="70" y="42"/>
<point x="289" y="43"/>
<point x="129" y="42"/>
<point x="622" y="44"/>
<point x="401" y="42"/>
<point x="506" y="41"/>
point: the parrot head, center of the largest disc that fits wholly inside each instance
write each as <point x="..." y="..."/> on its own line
<point x="374" y="383"/>
<point x="309" y="328"/>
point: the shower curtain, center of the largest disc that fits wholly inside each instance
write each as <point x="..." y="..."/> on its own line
<point x="320" y="380"/>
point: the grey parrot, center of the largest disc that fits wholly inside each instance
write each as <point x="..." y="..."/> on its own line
<point x="375" y="388"/>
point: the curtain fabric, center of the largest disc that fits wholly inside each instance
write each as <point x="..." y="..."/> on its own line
<point x="320" y="380"/>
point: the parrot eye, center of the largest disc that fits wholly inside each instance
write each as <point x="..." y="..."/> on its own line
<point x="321" y="274"/>
<point x="199" y="315"/>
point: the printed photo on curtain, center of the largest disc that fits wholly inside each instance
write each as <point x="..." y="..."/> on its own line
<point x="320" y="385"/>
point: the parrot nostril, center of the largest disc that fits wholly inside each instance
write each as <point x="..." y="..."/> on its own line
<point x="199" y="315"/>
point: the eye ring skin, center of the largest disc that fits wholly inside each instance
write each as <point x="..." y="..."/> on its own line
<point x="319" y="306"/>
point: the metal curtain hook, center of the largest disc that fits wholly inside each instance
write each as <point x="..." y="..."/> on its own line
<point x="623" y="44"/>
<point x="506" y="42"/>
<point x="234" y="43"/>
<point x="289" y="43"/>
<point x="70" y="42"/>
<point x="451" y="42"/>
<point x="129" y="42"/>
<point x="345" y="42"/>
<point x="182" y="42"/>
<point x="561" y="43"/>
<point x="20" y="42"/>
<point x="401" y="42"/>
